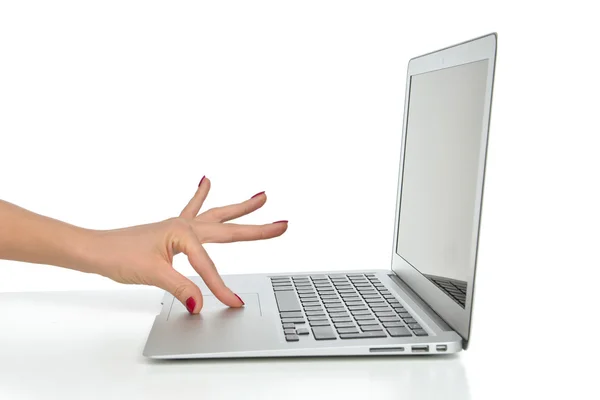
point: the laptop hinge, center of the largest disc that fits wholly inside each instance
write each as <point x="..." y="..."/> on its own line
<point x="417" y="299"/>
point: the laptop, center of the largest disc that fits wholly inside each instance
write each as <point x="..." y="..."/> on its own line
<point x="422" y="304"/>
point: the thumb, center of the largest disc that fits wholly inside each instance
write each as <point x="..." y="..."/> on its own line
<point x="184" y="290"/>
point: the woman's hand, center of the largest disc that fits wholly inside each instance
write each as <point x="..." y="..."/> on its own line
<point x="144" y="254"/>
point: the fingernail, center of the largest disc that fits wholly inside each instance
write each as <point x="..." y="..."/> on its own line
<point x="282" y="221"/>
<point x="190" y="303"/>
<point x="201" y="180"/>
<point x="257" y="194"/>
<point x="240" y="299"/>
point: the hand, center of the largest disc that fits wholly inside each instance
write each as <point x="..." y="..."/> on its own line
<point x="144" y="254"/>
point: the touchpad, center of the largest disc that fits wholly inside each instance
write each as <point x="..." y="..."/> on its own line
<point x="213" y="308"/>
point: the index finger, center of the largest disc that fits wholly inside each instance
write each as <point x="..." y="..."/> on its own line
<point x="205" y="267"/>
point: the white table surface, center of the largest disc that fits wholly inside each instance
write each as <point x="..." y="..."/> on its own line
<point x="88" y="345"/>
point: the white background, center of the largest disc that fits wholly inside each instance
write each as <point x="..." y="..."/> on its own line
<point x="112" y="111"/>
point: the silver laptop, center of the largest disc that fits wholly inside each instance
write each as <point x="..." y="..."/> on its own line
<point x="423" y="303"/>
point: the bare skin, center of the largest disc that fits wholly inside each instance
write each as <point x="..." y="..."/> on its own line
<point x="140" y="254"/>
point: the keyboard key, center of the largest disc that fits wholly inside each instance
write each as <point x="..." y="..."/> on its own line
<point x="291" y="338"/>
<point x="420" y="332"/>
<point x="327" y="293"/>
<point x="382" y="309"/>
<point x="291" y="314"/>
<point x="280" y="283"/>
<point x="354" y="303"/>
<point x="303" y="286"/>
<point x="287" y="301"/>
<point x="341" y="319"/>
<point x="314" y="308"/>
<point x="283" y="289"/>
<point x="409" y="320"/>
<point x="367" y="322"/>
<point x="349" y="290"/>
<point x="385" y="314"/>
<point x="293" y="320"/>
<point x="306" y="293"/>
<point x="370" y="275"/>
<point x="321" y="317"/>
<point x="357" y="308"/>
<point x="302" y="331"/>
<point x="289" y="326"/>
<point x="289" y="331"/>
<point x="319" y="323"/>
<point x="385" y="293"/>
<point x="304" y="300"/>
<point x="323" y="333"/>
<point x="344" y="324"/>
<point x="338" y="314"/>
<point x="399" y="332"/>
<point x="363" y="317"/>
<point x="404" y="314"/>
<point x="372" y="296"/>
<point x="395" y="303"/>
<point x="329" y="301"/>
<point x="315" y="313"/>
<point x="330" y="297"/>
<point x="367" y="328"/>
<point x="347" y="330"/>
<point x="311" y="303"/>
<point x="361" y="312"/>
<point x="389" y="319"/>
<point x="363" y="335"/>
<point x="364" y="291"/>
<point x="335" y="309"/>
<point x="393" y="324"/>
<point x="414" y="326"/>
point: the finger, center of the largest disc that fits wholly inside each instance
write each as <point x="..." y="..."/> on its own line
<point x="233" y="211"/>
<point x="205" y="267"/>
<point x="193" y="207"/>
<point x="228" y="233"/>
<point x="184" y="290"/>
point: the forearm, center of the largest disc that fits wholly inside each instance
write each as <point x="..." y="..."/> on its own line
<point x="29" y="237"/>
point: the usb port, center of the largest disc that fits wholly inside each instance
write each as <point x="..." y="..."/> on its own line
<point x="420" y="349"/>
<point x="441" y="347"/>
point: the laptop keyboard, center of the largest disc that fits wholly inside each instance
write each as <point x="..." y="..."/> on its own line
<point x="331" y="307"/>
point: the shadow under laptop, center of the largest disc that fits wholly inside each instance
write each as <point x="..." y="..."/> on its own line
<point x="414" y="377"/>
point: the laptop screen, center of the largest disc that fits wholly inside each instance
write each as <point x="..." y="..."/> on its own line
<point x="440" y="176"/>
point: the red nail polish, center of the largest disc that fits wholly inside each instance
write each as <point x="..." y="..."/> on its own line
<point x="257" y="194"/>
<point x="282" y="221"/>
<point x="240" y="299"/>
<point x="190" y="303"/>
<point x="201" y="180"/>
